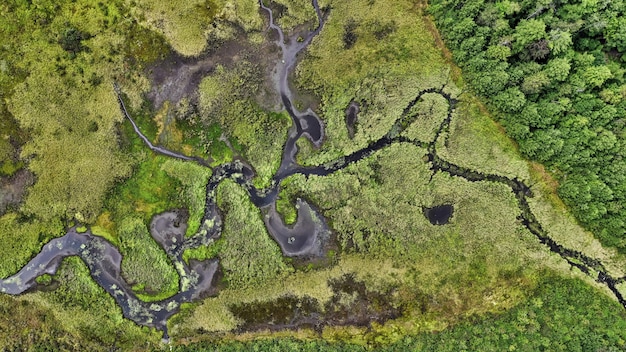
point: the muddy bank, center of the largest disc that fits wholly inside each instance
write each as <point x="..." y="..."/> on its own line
<point x="304" y="238"/>
<point x="13" y="189"/>
<point x="177" y="77"/>
<point x="168" y="230"/>
<point x="352" y="303"/>
<point x="104" y="261"/>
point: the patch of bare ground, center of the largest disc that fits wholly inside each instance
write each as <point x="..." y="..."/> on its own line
<point x="177" y="77"/>
<point x="352" y="303"/>
<point x="13" y="189"/>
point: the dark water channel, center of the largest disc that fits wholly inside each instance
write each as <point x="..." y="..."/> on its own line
<point x="304" y="238"/>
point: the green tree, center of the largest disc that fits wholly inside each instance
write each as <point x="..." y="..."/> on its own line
<point x="543" y="144"/>
<point x="528" y="31"/>
<point x="498" y="52"/>
<point x="510" y="100"/>
<point x="535" y="83"/>
<point x="615" y="33"/>
<point x="560" y="41"/>
<point x="558" y="69"/>
<point x="596" y="75"/>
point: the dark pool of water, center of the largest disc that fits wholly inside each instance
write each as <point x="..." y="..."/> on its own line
<point x="351" y="117"/>
<point x="439" y="215"/>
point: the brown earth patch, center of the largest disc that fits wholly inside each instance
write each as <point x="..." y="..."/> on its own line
<point x="352" y="304"/>
<point x="14" y="188"/>
<point x="177" y="77"/>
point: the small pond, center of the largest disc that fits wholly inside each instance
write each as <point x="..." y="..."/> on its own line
<point x="440" y="214"/>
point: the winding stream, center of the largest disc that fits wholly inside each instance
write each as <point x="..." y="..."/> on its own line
<point x="305" y="237"/>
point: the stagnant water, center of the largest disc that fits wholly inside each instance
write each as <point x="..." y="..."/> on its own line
<point x="440" y="214"/>
<point x="352" y="114"/>
<point x="303" y="238"/>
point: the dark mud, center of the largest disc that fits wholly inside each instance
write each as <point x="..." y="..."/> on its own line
<point x="351" y="304"/>
<point x="104" y="260"/>
<point x="178" y="76"/>
<point x="305" y="238"/>
<point x="14" y="188"/>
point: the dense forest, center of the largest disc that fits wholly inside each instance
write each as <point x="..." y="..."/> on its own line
<point x="554" y="71"/>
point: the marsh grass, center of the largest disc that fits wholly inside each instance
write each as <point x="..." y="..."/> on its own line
<point x="249" y="256"/>
<point x="477" y="142"/>
<point x="229" y="111"/>
<point x="22" y="240"/>
<point x="189" y="25"/>
<point x="144" y="263"/>
<point x="193" y="179"/>
<point x="383" y="74"/>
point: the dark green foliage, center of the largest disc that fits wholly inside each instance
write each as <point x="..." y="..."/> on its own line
<point x="555" y="72"/>
<point x="144" y="46"/>
<point x="563" y="315"/>
<point x="286" y="344"/>
<point x="72" y="41"/>
<point x="349" y="34"/>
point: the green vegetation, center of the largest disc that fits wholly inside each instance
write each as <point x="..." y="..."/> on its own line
<point x="555" y="74"/>
<point x="144" y="264"/>
<point x="377" y="213"/>
<point x="285" y="204"/>
<point x="229" y="110"/>
<point x="291" y="13"/>
<point x="21" y="240"/>
<point x="249" y="256"/>
<point x="75" y="315"/>
<point x="194" y="179"/>
<point x="562" y="315"/>
<point x="391" y="59"/>
<point x="189" y="25"/>
<point x="491" y="154"/>
<point x="391" y="279"/>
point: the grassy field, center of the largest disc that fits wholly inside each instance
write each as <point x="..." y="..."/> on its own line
<point x="433" y="287"/>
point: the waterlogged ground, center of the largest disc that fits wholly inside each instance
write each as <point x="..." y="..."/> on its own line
<point x="391" y="204"/>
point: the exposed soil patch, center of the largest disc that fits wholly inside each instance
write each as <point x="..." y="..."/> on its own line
<point x="13" y="189"/>
<point x="352" y="304"/>
<point x="178" y="77"/>
<point x="169" y="228"/>
<point x="302" y="238"/>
